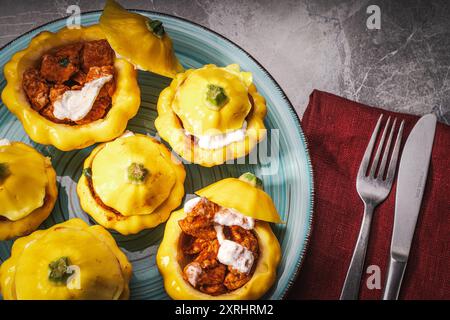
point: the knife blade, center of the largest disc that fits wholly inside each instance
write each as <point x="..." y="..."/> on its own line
<point x="411" y="180"/>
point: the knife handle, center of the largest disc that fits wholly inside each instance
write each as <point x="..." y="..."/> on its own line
<point x="394" y="279"/>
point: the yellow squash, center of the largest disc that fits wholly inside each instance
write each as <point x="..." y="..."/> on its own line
<point x="27" y="189"/>
<point x="125" y="101"/>
<point x="177" y="288"/>
<point x="195" y="112"/>
<point x="70" y="260"/>
<point x="131" y="184"/>
<point x="170" y="255"/>
<point x="185" y="107"/>
<point x="139" y="39"/>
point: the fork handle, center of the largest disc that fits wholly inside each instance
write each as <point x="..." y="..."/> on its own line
<point x="352" y="282"/>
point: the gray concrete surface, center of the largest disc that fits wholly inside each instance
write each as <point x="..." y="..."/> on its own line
<point x="307" y="44"/>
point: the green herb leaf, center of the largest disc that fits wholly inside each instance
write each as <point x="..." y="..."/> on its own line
<point x="64" y="62"/>
<point x="137" y="173"/>
<point x="87" y="172"/>
<point x="156" y="27"/>
<point x="216" y="97"/>
<point x="58" y="270"/>
<point x="251" y="179"/>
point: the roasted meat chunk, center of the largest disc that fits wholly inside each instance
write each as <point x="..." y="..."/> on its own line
<point x="99" y="72"/>
<point x="199" y="222"/>
<point x="60" y="66"/>
<point x="57" y="91"/>
<point x="79" y="78"/>
<point x="246" y="238"/>
<point x="207" y="233"/>
<point x="71" y="52"/>
<point x="234" y="279"/>
<point x="208" y="256"/>
<point x="36" y="89"/>
<point x="57" y="70"/>
<point x="96" y="54"/>
<point x="211" y="280"/>
<point x="194" y="245"/>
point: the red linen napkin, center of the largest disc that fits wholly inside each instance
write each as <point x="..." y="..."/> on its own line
<point x="337" y="131"/>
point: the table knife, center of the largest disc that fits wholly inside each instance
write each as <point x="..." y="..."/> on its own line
<point x="412" y="176"/>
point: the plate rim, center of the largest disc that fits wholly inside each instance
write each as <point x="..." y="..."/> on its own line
<point x="310" y="218"/>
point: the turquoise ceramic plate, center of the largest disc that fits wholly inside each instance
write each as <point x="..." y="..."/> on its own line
<point x="287" y="178"/>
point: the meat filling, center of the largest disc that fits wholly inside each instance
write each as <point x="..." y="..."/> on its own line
<point x="200" y="246"/>
<point x="60" y="66"/>
<point x="97" y="53"/>
<point x="70" y="67"/>
<point x="36" y="89"/>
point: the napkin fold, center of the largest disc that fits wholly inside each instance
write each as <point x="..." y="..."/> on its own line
<point x="337" y="131"/>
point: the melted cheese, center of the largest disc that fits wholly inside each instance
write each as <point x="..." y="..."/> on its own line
<point x="76" y="104"/>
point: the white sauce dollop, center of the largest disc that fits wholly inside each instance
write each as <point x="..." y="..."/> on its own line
<point x="5" y="142"/>
<point x="190" y="204"/>
<point x="231" y="217"/>
<point x="217" y="141"/>
<point x="193" y="271"/>
<point x="232" y="253"/>
<point x="235" y="255"/>
<point x="219" y="233"/>
<point x="76" y="104"/>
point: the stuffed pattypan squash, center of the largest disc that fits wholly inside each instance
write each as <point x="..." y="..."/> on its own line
<point x="141" y="40"/>
<point x="216" y="248"/>
<point x="70" y="260"/>
<point x="69" y="90"/>
<point x="212" y="114"/>
<point x="27" y="189"/>
<point x="131" y="183"/>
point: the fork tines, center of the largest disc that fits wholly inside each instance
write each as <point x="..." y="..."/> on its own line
<point x="394" y="155"/>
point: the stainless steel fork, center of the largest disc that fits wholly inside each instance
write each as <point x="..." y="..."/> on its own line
<point x="373" y="188"/>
